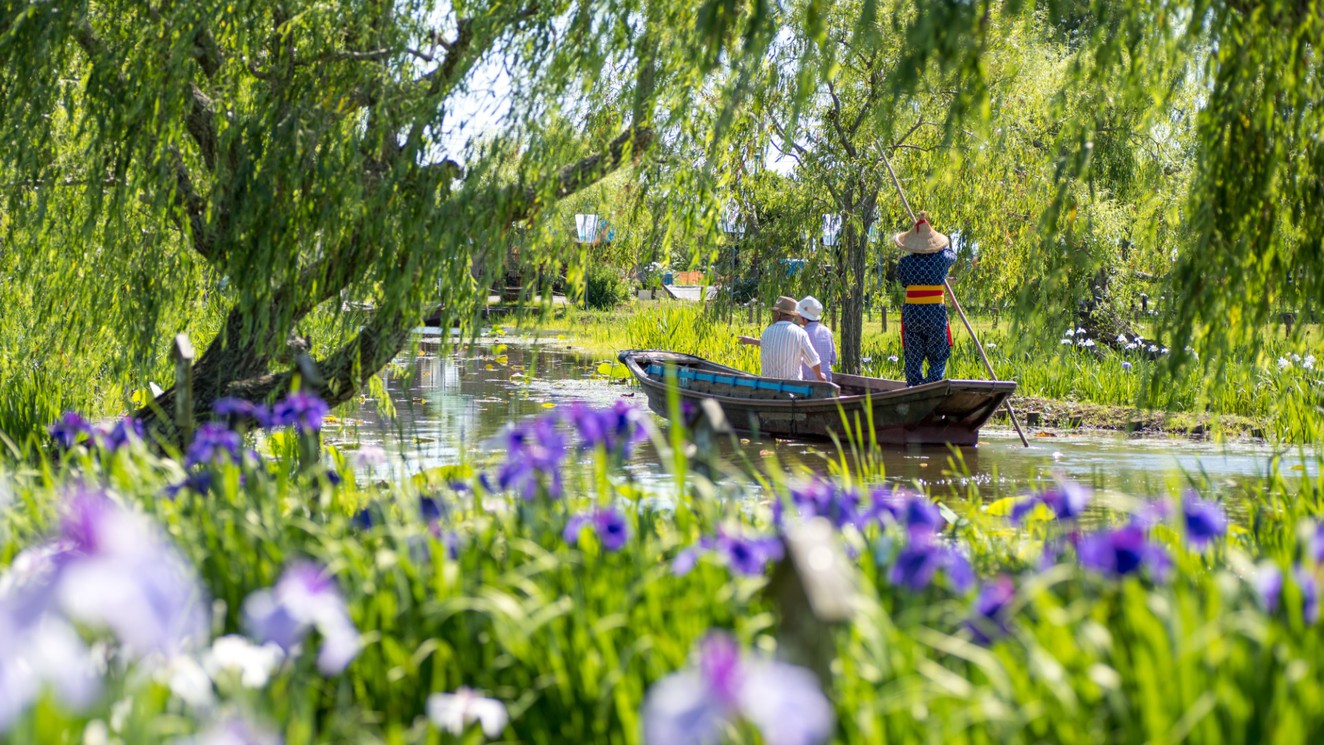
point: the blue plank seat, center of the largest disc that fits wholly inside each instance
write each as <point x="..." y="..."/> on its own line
<point x="735" y="381"/>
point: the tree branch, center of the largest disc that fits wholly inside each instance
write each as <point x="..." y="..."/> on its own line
<point x="186" y="197"/>
<point x="834" y="115"/>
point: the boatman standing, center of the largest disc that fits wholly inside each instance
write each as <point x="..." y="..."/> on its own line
<point x="925" y="333"/>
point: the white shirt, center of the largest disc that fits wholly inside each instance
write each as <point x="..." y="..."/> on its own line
<point x="820" y="337"/>
<point x="783" y="346"/>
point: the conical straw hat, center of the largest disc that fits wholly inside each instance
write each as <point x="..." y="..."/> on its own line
<point x="921" y="239"/>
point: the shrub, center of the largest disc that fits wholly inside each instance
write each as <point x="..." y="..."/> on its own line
<point x="604" y="289"/>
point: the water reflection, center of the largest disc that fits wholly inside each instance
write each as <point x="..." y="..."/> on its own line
<point x="451" y="407"/>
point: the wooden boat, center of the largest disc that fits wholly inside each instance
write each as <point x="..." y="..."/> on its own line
<point x="940" y="413"/>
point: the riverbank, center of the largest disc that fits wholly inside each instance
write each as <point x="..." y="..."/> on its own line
<point x="1043" y="416"/>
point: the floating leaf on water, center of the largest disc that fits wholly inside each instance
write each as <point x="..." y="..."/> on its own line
<point x="488" y="366"/>
<point x="1298" y="467"/>
<point x="500" y="349"/>
<point x="744" y="441"/>
<point x="548" y="405"/>
<point x="604" y="369"/>
<point x="560" y="336"/>
<point x="502" y="359"/>
<point x="331" y="419"/>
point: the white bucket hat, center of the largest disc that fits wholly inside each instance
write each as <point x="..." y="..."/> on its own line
<point x="810" y="308"/>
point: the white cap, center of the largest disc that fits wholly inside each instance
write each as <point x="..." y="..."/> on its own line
<point x="810" y="308"/>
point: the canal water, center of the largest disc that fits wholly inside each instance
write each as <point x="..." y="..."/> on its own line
<point x="451" y="407"/>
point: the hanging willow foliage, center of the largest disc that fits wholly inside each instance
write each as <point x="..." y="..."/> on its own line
<point x="236" y="168"/>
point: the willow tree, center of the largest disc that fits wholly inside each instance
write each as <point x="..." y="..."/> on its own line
<point x="260" y="162"/>
<point x="1251" y="73"/>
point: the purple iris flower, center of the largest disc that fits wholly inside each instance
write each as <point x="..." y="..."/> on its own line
<point x="68" y="428"/>
<point x="449" y="538"/>
<point x="919" y="562"/>
<point x="302" y="410"/>
<point x="234" y="731"/>
<point x="199" y="482"/>
<point x="305" y="597"/>
<point x="616" y="429"/>
<point x="1149" y="514"/>
<point x="240" y="410"/>
<point x="37" y="651"/>
<point x="607" y="522"/>
<point x="1205" y="521"/>
<point x="693" y="707"/>
<point x="364" y="519"/>
<point x="535" y="453"/>
<point x="430" y="509"/>
<point x="1268" y="584"/>
<point x="124" y="433"/>
<point x="922" y="517"/>
<point x="1316" y="548"/>
<point x="822" y="498"/>
<point x="1067" y="501"/>
<point x="1305" y="580"/>
<point x="120" y="572"/>
<point x="989" y="620"/>
<point x="742" y="555"/>
<point x="885" y="505"/>
<point x="1124" y="551"/>
<point x="214" y="442"/>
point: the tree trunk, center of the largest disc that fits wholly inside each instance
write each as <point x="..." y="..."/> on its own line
<point x="852" y="306"/>
<point x="1099" y="315"/>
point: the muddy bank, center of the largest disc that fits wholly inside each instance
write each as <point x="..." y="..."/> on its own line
<point x="1041" y="415"/>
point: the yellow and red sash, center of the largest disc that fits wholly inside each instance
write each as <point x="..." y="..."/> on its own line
<point x="924" y="294"/>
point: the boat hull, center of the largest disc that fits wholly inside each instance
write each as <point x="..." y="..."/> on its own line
<point x="946" y="412"/>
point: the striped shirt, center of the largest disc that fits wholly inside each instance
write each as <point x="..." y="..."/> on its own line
<point x="783" y="347"/>
<point x="820" y="337"/>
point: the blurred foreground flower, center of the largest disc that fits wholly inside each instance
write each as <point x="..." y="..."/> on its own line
<point x="304" y="598"/>
<point x="691" y="707"/>
<point x="235" y="655"/>
<point x="919" y="562"/>
<point x="368" y="456"/>
<point x="119" y="571"/>
<point x="1205" y="521"/>
<point x="454" y="712"/>
<point x="233" y="731"/>
<point x="302" y="410"/>
<point x="989" y="620"/>
<point x="1309" y="586"/>
<point x="240" y="411"/>
<point x="37" y="652"/>
<point x="741" y="555"/>
<point x="822" y="498"/>
<point x="1124" y="551"/>
<point x="214" y="442"/>
<point x="68" y="429"/>
<point x="534" y="454"/>
<point x="1067" y="501"/>
<point x="616" y="429"/>
<point x="607" y="522"/>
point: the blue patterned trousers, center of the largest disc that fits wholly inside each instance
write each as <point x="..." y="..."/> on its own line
<point x="925" y="335"/>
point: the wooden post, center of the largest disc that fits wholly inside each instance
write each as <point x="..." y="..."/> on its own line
<point x="310" y="443"/>
<point x="182" y="353"/>
<point x="708" y="427"/>
<point x="813" y="587"/>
